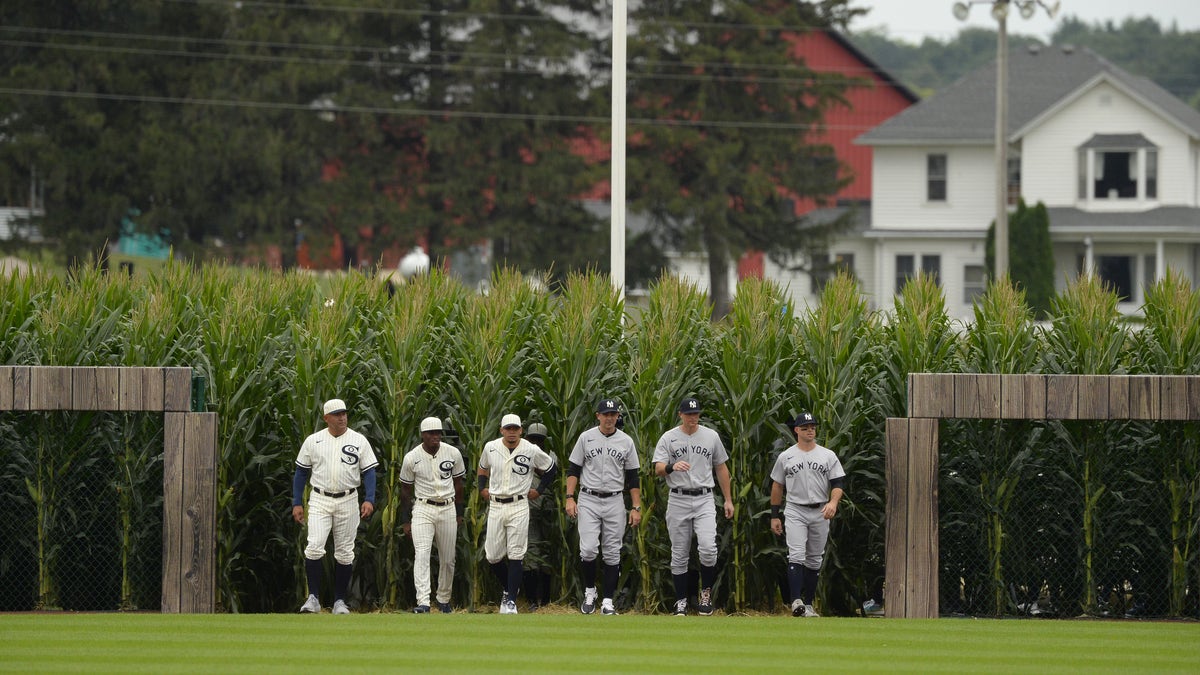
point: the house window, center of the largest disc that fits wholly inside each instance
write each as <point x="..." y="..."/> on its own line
<point x="935" y="181"/>
<point x="1118" y="166"/>
<point x="827" y="267"/>
<point x="1116" y="273"/>
<point x="906" y="267"/>
<point x="1014" y="180"/>
<point x="1152" y="174"/>
<point x="974" y="282"/>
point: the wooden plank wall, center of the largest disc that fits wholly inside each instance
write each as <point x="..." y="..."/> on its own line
<point x="189" y="513"/>
<point x="911" y="555"/>
<point x="911" y="580"/>
<point x="189" y="457"/>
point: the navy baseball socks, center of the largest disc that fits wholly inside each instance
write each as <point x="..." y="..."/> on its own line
<point x="704" y="605"/>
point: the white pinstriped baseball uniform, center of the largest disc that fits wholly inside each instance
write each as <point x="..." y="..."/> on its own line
<point x="433" y="514"/>
<point x="510" y="477"/>
<point x="337" y="464"/>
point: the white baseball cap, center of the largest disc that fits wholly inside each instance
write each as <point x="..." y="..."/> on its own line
<point x="431" y="424"/>
<point x="335" y="405"/>
<point x="510" y="420"/>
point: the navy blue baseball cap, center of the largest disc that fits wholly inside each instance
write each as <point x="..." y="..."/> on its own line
<point x="607" y="405"/>
<point x="690" y="405"/>
<point x="804" y="419"/>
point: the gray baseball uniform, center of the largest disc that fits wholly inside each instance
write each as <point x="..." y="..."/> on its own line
<point x="690" y="507"/>
<point x="602" y="516"/>
<point x="336" y="464"/>
<point x="805" y="477"/>
<point x="510" y="477"/>
<point x="432" y="478"/>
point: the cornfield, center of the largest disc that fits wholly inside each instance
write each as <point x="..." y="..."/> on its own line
<point x="1053" y="518"/>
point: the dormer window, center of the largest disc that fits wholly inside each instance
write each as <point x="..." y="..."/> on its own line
<point x="1118" y="166"/>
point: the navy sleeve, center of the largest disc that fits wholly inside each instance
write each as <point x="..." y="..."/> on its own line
<point x="573" y="469"/>
<point x="368" y="479"/>
<point x="298" y="482"/>
<point x="547" y="478"/>
<point x="837" y="483"/>
<point x="632" y="480"/>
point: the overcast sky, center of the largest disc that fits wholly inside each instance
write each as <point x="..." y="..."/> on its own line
<point x="914" y="20"/>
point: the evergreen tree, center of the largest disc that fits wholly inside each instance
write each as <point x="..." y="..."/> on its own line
<point x="1030" y="255"/>
<point x="719" y="117"/>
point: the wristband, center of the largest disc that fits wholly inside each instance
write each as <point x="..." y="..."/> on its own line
<point x="671" y="467"/>
<point x="775" y="511"/>
<point x="570" y="496"/>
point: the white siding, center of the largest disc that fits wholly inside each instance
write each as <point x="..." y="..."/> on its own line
<point x="1049" y="170"/>
<point x="899" y="181"/>
<point x="955" y="254"/>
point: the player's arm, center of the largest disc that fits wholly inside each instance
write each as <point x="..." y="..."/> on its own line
<point x="722" y="472"/>
<point x="459" y="502"/>
<point x="544" y="483"/>
<point x="574" y="471"/>
<point x="406" y="507"/>
<point x="299" y="480"/>
<point x="482" y="477"/>
<point x="776" y="508"/>
<point x="836" y="492"/>
<point x="633" y="483"/>
<point x="368" y="505"/>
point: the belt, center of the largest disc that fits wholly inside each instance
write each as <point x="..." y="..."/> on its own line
<point x="691" y="493"/>
<point x="508" y="500"/>
<point x="597" y="493"/>
<point x="333" y="495"/>
<point x="813" y="506"/>
<point x="434" y="502"/>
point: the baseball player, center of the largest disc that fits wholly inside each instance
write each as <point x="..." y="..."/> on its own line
<point x="434" y="471"/>
<point x="691" y="457"/>
<point x="506" y="470"/>
<point x="543" y="517"/>
<point x="603" y="464"/>
<point x="812" y="477"/>
<point x="339" y="460"/>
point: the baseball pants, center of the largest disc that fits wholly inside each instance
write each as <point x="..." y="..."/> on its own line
<point x="806" y="533"/>
<point x="601" y="527"/>
<point x="341" y="516"/>
<point x="689" y="515"/>
<point x="507" y="531"/>
<point x="433" y="525"/>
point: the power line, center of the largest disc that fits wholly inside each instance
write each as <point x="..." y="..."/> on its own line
<point x="418" y="112"/>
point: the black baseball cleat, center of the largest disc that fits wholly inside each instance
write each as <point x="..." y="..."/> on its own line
<point x="705" y="607"/>
<point x="421" y="609"/>
<point x="797" y="607"/>
<point x="681" y="607"/>
<point x="444" y="607"/>
<point x="589" y="601"/>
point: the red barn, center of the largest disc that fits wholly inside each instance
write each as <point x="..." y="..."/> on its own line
<point x="868" y="106"/>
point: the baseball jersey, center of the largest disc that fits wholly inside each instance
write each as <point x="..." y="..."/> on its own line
<point x="432" y="475"/>
<point x="806" y="475"/>
<point x="337" y="462"/>
<point x="703" y="450"/>
<point x="604" y="459"/>
<point x="510" y="473"/>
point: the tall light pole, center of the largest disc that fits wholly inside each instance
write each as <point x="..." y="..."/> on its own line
<point x="1027" y="8"/>
<point x="617" y="163"/>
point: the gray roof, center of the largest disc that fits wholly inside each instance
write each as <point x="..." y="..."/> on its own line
<point x="1038" y="79"/>
<point x="1164" y="220"/>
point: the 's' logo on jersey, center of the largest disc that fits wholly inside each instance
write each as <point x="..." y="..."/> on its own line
<point x="446" y="467"/>
<point x="350" y="454"/>
<point x="521" y="465"/>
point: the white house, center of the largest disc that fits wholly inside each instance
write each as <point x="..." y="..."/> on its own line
<point x="1113" y="156"/>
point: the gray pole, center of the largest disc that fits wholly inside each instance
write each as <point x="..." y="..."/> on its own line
<point x="1002" y="144"/>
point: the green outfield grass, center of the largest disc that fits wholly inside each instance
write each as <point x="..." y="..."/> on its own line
<point x="462" y="642"/>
